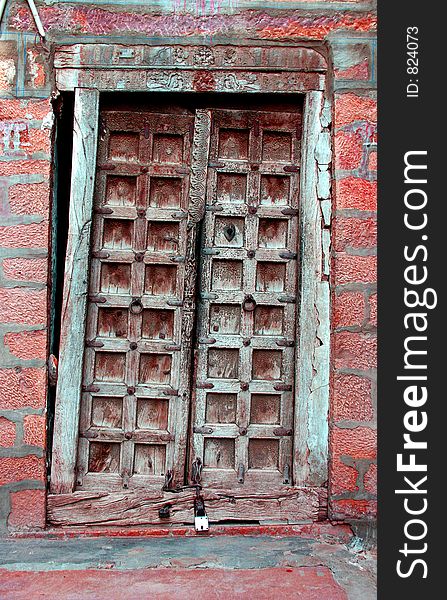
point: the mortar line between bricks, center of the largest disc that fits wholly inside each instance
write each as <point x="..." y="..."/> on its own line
<point x="21" y="452"/>
<point x="25" y="484"/>
<point x="355" y="213"/>
<point x="19" y="328"/>
<point x="12" y="414"/>
<point x="347" y="424"/>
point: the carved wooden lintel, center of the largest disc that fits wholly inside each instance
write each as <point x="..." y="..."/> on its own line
<point x="190" y="68"/>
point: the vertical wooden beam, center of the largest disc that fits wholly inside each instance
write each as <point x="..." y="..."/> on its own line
<point x="68" y="392"/>
<point x="312" y="377"/>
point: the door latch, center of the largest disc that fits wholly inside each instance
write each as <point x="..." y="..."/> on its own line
<point x="201" y="522"/>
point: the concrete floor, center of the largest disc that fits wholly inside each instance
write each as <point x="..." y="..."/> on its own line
<point x="183" y="568"/>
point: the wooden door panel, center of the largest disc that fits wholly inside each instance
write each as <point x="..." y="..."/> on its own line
<point x="134" y="406"/>
<point x="243" y="403"/>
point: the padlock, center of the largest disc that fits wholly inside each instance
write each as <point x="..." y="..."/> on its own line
<point x="201" y="522"/>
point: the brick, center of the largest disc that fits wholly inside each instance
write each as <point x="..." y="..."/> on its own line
<point x="355" y="350"/>
<point x="35" y="140"/>
<point x="372" y="161"/>
<point x="7" y="73"/>
<point x="32" y="235"/>
<point x="342" y="478"/>
<point x="34" y="430"/>
<point x="24" y="306"/>
<point x="24" y="167"/>
<point x="358" y="72"/>
<point x="35" y="71"/>
<point x="27" y="344"/>
<point x="22" y="388"/>
<point x="30" y="198"/>
<point x="355" y="269"/>
<point x="305" y="28"/>
<point x="370" y="479"/>
<point x="27" y="510"/>
<point x="7" y="433"/>
<point x="349" y="309"/>
<point x="373" y="309"/>
<point x="348" y="150"/>
<point x="351" y="60"/>
<point x="355" y="233"/>
<point x="358" y="443"/>
<point x="13" y="469"/>
<point x="351" y="107"/>
<point x="26" y="269"/>
<point x="352" y="399"/>
<point x="14" y="108"/>
<point x="356" y="193"/>
<point x="353" y="509"/>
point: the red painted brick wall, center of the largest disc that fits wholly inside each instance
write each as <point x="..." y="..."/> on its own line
<point x="25" y="171"/>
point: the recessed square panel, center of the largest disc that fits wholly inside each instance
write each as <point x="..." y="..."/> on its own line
<point x="124" y="146"/>
<point x="265" y="409"/>
<point x="113" y="322"/>
<point x="268" y="320"/>
<point x="270" y="277"/>
<point x="233" y="143"/>
<point x="167" y="148"/>
<point x="165" y="192"/>
<point x="267" y="365"/>
<point x="219" y="453"/>
<point x="121" y="190"/>
<point x="225" y="319"/>
<point x="152" y="413"/>
<point x="155" y="368"/>
<point x="149" y="459"/>
<point x="227" y="274"/>
<point x="276" y="146"/>
<point x="115" y="278"/>
<point x="110" y="366"/>
<point x="229" y="232"/>
<point x="221" y="408"/>
<point x="158" y="324"/>
<point x="107" y="412"/>
<point x="160" y="280"/>
<point x="117" y="234"/>
<point x="223" y="363"/>
<point x="263" y="454"/>
<point x="272" y="233"/>
<point x="275" y="190"/>
<point x="231" y="188"/>
<point x="104" y="457"/>
<point x="163" y="236"/>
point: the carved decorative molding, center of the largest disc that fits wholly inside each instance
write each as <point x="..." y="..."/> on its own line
<point x="199" y="166"/>
<point x="109" y="67"/>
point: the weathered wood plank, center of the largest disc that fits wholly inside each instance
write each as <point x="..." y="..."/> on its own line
<point x="312" y="384"/>
<point x="292" y="505"/>
<point x="75" y="291"/>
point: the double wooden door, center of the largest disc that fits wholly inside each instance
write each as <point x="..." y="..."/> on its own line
<point x="189" y="360"/>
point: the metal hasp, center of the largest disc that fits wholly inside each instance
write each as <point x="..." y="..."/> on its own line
<point x="201" y="522"/>
<point x="196" y="471"/>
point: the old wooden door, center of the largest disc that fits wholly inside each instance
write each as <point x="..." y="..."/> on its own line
<point x="243" y="403"/>
<point x="134" y="406"/>
<point x="189" y="360"/>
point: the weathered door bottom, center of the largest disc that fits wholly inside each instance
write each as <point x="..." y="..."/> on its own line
<point x="293" y="505"/>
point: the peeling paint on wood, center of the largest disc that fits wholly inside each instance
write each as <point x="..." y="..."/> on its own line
<point x="311" y="425"/>
<point x="75" y="291"/>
